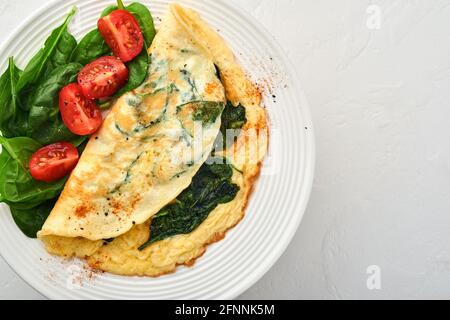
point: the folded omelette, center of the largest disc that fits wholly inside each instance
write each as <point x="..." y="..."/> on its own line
<point x="152" y="149"/>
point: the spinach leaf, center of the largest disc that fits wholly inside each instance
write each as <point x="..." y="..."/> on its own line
<point x="210" y="187"/>
<point x="81" y="145"/>
<point x="108" y="10"/>
<point x="56" y="52"/>
<point x="43" y="123"/>
<point x="44" y="105"/>
<point x="30" y="221"/>
<point x="54" y="130"/>
<point x="3" y="161"/>
<point x="12" y="120"/>
<point x="17" y="186"/>
<point x="91" y="47"/>
<point x="233" y="119"/>
<point x="63" y="51"/>
<point x="137" y="72"/>
<point x="207" y="111"/>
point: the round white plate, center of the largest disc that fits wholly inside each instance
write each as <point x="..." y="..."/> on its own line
<point x="276" y="208"/>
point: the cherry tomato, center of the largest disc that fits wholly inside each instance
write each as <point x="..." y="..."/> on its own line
<point x="80" y="115"/>
<point x="102" y="77"/>
<point x="122" y="34"/>
<point x="53" y="162"/>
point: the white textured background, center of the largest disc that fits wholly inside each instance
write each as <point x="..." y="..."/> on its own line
<point x="380" y="100"/>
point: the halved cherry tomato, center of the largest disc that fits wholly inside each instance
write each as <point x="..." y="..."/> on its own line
<point x="79" y="114"/>
<point x="102" y="77"/>
<point x="53" y="162"/>
<point x="122" y="34"/>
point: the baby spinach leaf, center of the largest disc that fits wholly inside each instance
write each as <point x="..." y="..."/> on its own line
<point x="31" y="220"/>
<point x="63" y="51"/>
<point x="3" y="162"/>
<point x="207" y="111"/>
<point x="91" y="47"/>
<point x="43" y="123"/>
<point x="233" y="119"/>
<point x="137" y="72"/>
<point x="108" y="10"/>
<point x="210" y="187"/>
<point x="44" y="105"/>
<point x="81" y="144"/>
<point x="12" y="119"/>
<point x="54" y="130"/>
<point x="56" y="52"/>
<point x="16" y="183"/>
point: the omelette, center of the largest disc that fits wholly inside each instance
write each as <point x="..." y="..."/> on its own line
<point x="146" y="195"/>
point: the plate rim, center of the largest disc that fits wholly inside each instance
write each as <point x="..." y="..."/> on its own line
<point x="310" y="143"/>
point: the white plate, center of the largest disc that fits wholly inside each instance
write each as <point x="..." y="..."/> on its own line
<point x="231" y="266"/>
